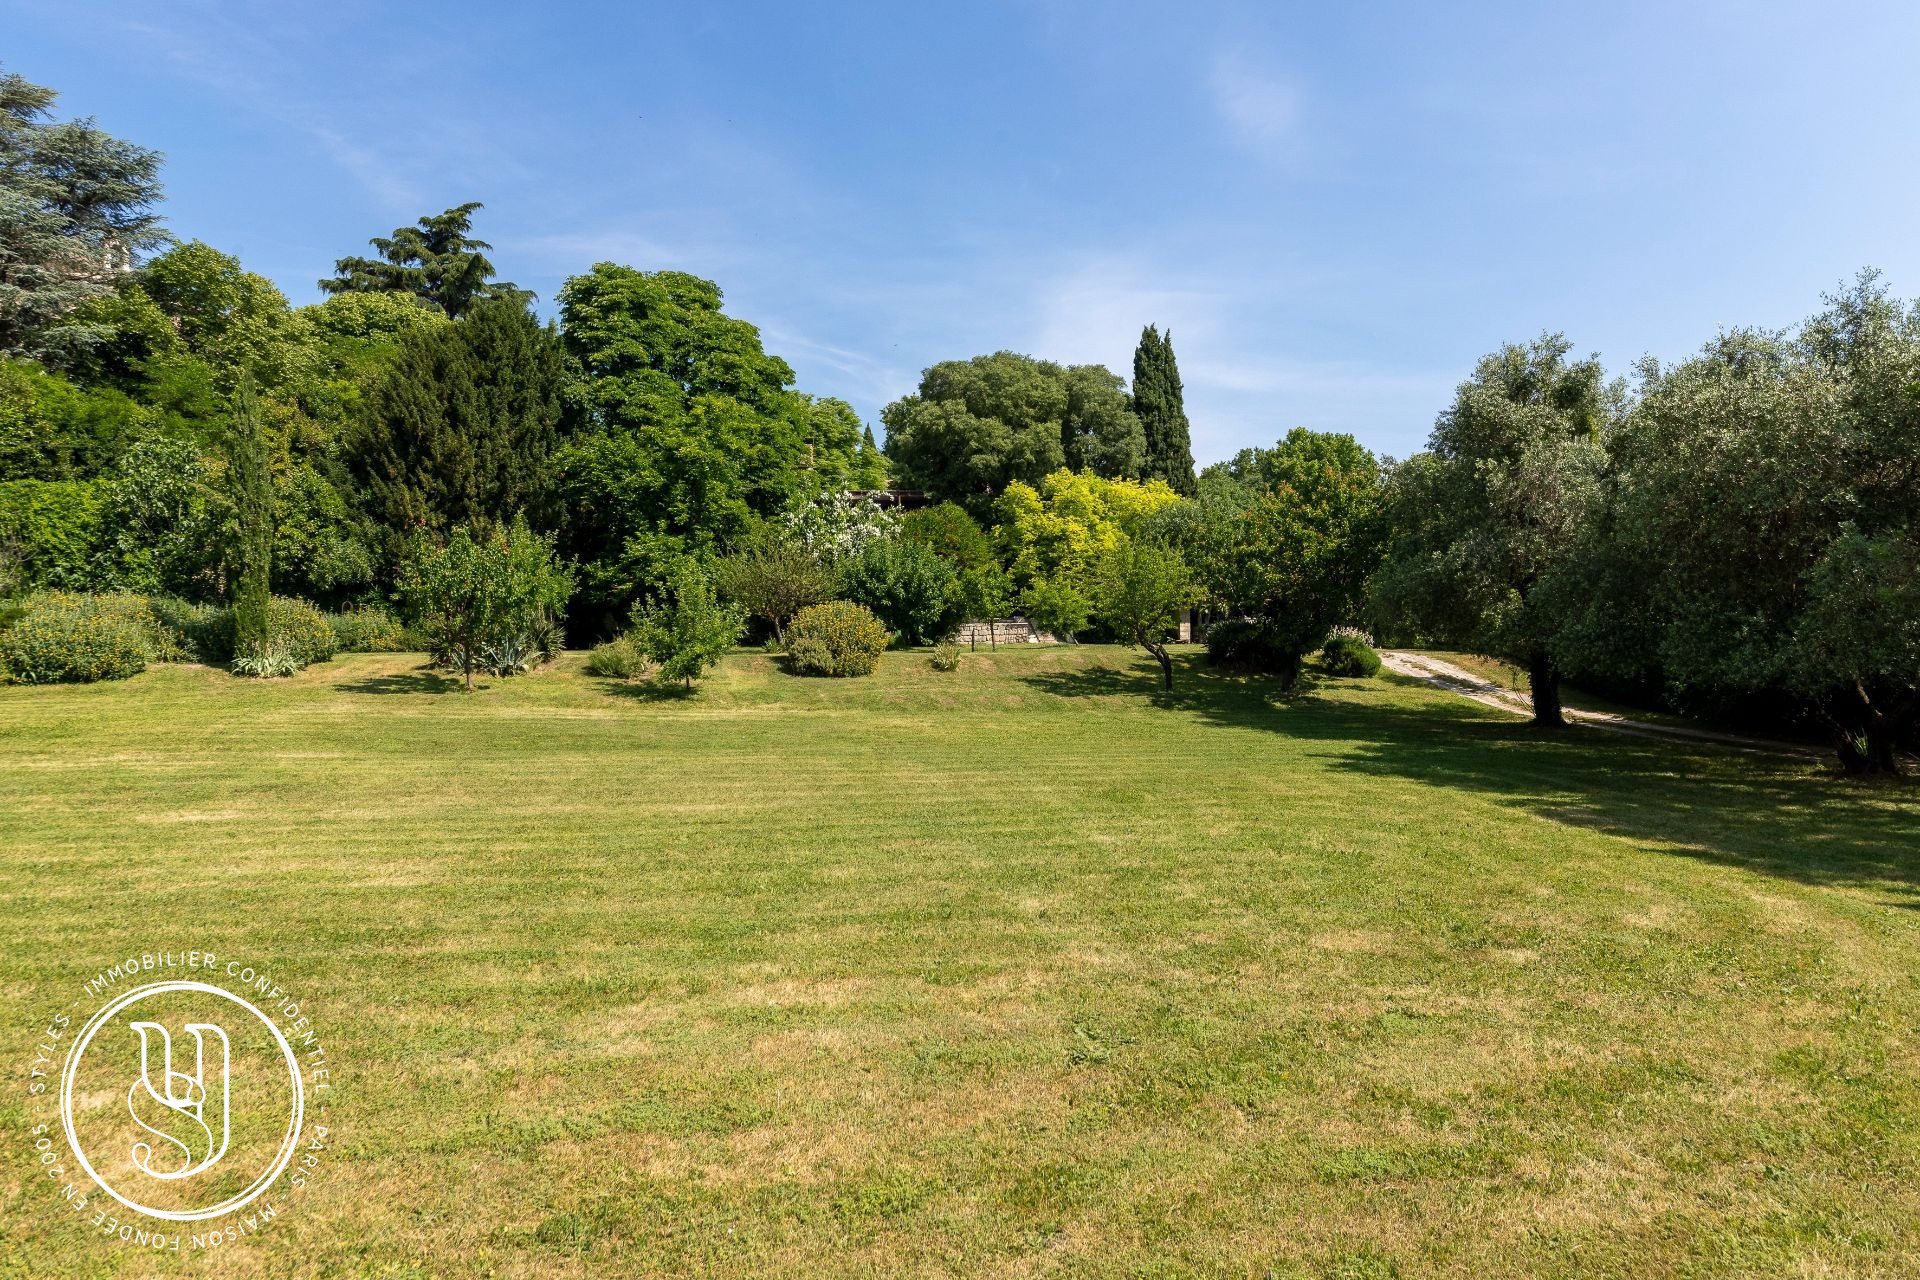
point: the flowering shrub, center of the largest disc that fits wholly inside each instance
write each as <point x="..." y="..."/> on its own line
<point x="837" y="526"/>
<point x="838" y="638"/>
<point x="62" y="638"/>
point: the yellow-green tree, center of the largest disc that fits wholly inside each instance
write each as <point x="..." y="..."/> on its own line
<point x="1062" y="531"/>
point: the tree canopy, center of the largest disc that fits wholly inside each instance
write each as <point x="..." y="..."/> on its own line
<point x="1498" y="510"/>
<point x="462" y="424"/>
<point x="976" y="426"/>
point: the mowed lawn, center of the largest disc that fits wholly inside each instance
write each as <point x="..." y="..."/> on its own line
<point x="1019" y="971"/>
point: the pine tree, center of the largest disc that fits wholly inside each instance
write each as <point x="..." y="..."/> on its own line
<point x="250" y="485"/>
<point x="1157" y="402"/>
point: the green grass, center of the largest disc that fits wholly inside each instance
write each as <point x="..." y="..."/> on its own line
<point x="1013" y="971"/>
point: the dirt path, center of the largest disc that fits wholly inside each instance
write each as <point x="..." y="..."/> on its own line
<point x="1445" y="675"/>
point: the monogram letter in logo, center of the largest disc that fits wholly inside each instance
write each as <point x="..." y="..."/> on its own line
<point x="175" y="1110"/>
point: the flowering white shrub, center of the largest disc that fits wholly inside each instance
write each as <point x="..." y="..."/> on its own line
<point x="837" y="526"/>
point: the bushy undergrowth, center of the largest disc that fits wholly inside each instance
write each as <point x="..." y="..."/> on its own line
<point x="946" y="656"/>
<point x="369" y="631"/>
<point x="63" y="638"/>
<point x="838" y="638"/>
<point x="271" y="661"/>
<point x="1244" y="644"/>
<point x="293" y="627"/>
<point x="1350" y="657"/>
<point x="617" y="659"/>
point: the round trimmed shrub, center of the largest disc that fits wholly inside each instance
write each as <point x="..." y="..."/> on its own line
<point x="1349" y="657"/>
<point x="1272" y="646"/>
<point x="63" y="638"/>
<point x="838" y="638"/>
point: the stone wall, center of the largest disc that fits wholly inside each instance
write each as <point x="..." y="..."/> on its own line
<point x="1005" y="631"/>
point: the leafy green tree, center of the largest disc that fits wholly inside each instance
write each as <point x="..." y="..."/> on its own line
<point x="1061" y="608"/>
<point x="840" y="454"/>
<point x="690" y="632"/>
<point x="773" y="579"/>
<point x="76" y="210"/>
<point x="1142" y="589"/>
<point x="250" y="489"/>
<point x="1159" y="402"/>
<point x="1501" y="507"/>
<point x="1099" y="432"/>
<point x="984" y="593"/>
<point x="463" y="422"/>
<point x="159" y="523"/>
<point x="976" y="426"/>
<point x="1061" y="532"/>
<point x="485" y="585"/>
<point x="235" y="321"/>
<point x="693" y="435"/>
<point x="1288" y="537"/>
<point x="906" y="584"/>
<point x="954" y="536"/>
<point x="1860" y="635"/>
<point x="51" y="429"/>
<point x="436" y="261"/>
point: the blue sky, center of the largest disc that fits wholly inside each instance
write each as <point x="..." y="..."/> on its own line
<point x="1336" y="208"/>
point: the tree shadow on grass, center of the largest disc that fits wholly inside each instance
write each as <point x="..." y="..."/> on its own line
<point x="424" y="680"/>
<point x="645" y="690"/>
<point x="1777" y="815"/>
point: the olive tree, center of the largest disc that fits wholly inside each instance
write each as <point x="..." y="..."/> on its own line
<point x="1501" y="506"/>
<point x="774" y="579"/>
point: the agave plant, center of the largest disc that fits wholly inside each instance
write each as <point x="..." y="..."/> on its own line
<point x="266" y="662"/>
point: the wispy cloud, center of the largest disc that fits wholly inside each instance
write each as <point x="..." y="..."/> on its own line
<point x="856" y="376"/>
<point x="576" y="249"/>
<point x="1261" y="107"/>
<point x="384" y="181"/>
<point x="1093" y="312"/>
<point x="236" y="63"/>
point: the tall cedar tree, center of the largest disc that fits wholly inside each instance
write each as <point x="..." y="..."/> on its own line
<point x="250" y="485"/>
<point x="436" y="261"/>
<point x="76" y="210"/>
<point x="462" y="424"/>
<point x="1158" y="403"/>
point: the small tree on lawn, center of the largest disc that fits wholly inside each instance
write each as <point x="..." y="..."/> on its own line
<point x="483" y="586"/>
<point x="774" y="580"/>
<point x="691" y="633"/>
<point x="1057" y="607"/>
<point x="985" y="594"/>
<point x="1142" y="589"/>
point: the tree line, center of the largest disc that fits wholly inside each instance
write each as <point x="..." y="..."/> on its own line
<point x="1735" y="533"/>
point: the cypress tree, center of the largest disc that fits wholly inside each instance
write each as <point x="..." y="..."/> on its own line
<point x="250" y="484"/>
<point x="461" y="426"/>
<point x="1157" y="402"/>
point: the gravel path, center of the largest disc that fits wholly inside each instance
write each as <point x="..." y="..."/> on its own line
<point x="1446" y="675"/>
